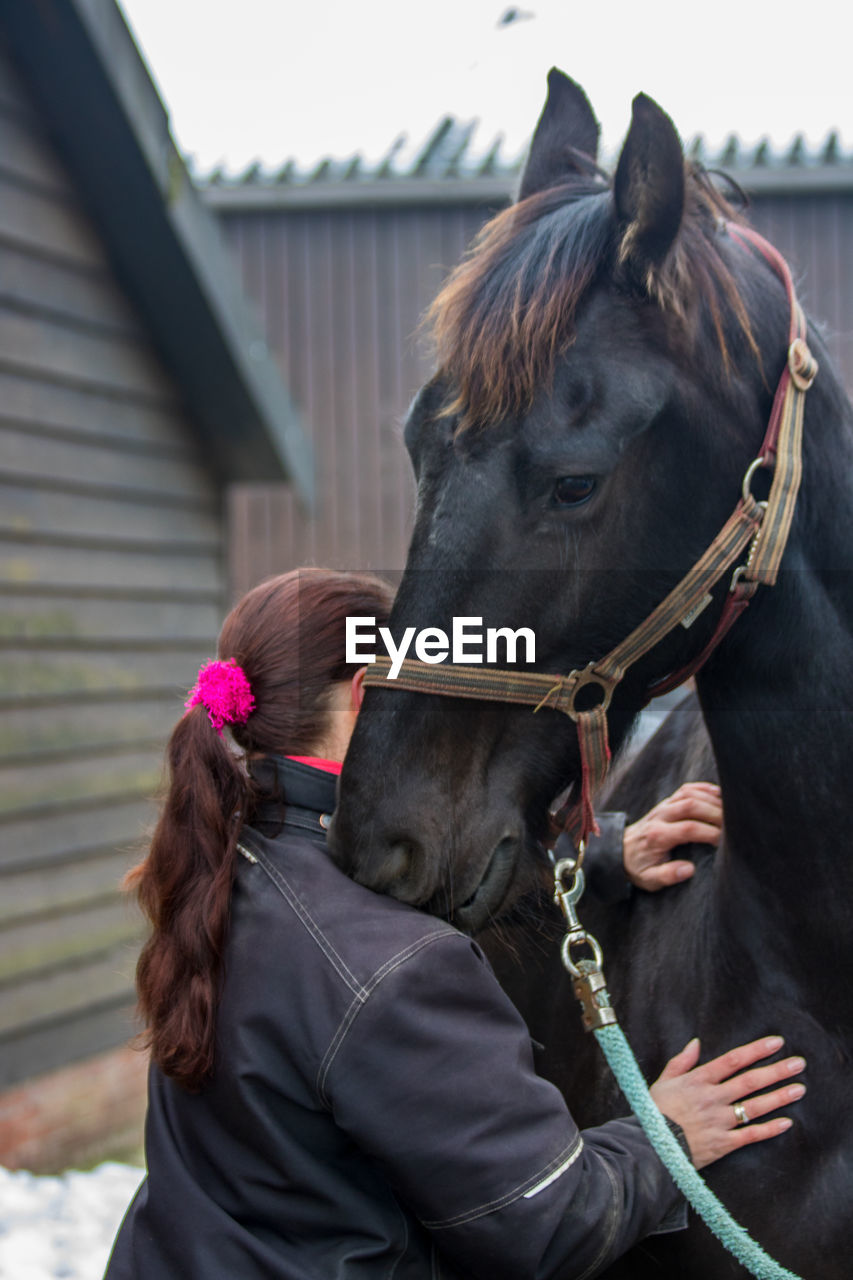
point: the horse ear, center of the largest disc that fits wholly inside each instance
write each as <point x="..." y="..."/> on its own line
<point x="566" y="135"/>
<point x="649" y="186"/>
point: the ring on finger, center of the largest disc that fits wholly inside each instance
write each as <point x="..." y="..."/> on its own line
<point x="740" y="1114"/>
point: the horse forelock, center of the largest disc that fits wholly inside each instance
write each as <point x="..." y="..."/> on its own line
<point x="508" y="311"/>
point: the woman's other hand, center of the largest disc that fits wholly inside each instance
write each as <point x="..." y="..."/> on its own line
<point x="693" y="813"/>
<point x="703" y="1100"/>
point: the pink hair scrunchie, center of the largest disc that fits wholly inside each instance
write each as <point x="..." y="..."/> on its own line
<point x="224" y="692"/>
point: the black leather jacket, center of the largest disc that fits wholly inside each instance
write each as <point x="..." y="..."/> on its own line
<point x="374" y="1110"/>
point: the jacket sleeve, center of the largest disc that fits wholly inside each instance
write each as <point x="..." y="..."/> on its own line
<point x="433" y="1076"/>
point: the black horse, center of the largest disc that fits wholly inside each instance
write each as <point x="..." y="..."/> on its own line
<point x="607" y="359"/>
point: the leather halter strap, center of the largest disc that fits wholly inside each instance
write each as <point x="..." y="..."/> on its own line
<point x="765" y="526"/>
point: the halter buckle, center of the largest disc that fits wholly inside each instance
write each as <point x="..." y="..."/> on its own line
<point x="802" y="364"/>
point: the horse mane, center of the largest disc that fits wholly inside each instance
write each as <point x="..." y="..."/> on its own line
<point x="507" y="312"/>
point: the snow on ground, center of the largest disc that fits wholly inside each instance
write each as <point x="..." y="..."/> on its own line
<point x="62" y="1228"/>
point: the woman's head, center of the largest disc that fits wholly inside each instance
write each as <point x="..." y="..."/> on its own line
<point x="287" y="637"/>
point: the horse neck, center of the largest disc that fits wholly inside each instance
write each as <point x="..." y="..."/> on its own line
<point x="777" y="699"/>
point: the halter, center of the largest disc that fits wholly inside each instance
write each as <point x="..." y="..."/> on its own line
<point x="763" y="527"/>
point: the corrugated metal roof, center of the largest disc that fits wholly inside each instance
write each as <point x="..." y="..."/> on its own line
<point x="451" y="165"/>
<point x="449" y="151"/>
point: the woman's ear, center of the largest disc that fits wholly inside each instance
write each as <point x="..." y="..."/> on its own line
<point x="357" y="689"/>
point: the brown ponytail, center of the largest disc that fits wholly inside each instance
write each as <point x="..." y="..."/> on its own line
<point x="288" y="636"/>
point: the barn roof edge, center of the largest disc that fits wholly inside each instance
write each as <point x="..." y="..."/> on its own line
<point x="104" y="114"/>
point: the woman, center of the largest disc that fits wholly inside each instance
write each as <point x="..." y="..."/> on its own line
<point x="339" y="1087"/>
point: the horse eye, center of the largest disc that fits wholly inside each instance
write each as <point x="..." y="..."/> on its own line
<point x="571" y="491"/>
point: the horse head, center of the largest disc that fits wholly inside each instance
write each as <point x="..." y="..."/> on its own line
<point x="607" y="354"/>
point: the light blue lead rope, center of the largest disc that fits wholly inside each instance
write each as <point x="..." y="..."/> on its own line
<point x="736" y="1239"/>
<point x="598" y="1017"/>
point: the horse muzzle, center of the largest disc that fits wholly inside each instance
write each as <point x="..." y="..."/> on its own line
<point x="469" y="890"/>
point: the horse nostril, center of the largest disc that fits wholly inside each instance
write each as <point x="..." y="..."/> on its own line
<point x="398" y="864"/>
<point x="392" y="870"/>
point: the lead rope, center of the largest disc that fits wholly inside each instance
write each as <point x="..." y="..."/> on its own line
<point x="598" y="1016"/>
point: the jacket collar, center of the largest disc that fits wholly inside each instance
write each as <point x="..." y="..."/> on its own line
<point x="293" y="796"/>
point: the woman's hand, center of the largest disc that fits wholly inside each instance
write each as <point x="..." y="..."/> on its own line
<point x="702" y="1099"/>
<point x="692" y="813"/>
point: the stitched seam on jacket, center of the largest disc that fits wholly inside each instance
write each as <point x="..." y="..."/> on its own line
<point x="308" y="921"/>
<point x="302" y="824"/>
<point x="356" y="1005"/>
<point x="612" y="1222"/>
<point x="395" y="961"/>
<point x="508" y="1198"/>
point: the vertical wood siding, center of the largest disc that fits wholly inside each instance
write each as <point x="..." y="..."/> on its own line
<point x="111" y="574"/>
<point x="341" y="293"/>
<point x="815" y="233"/>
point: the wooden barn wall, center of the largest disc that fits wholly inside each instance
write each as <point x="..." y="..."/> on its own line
<point x="341" y="293"/>
<point x="111" y="573"/>
<point x="815" y="233"/>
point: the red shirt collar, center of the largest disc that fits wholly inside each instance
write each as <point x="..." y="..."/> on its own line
<point x="318" y="762"/>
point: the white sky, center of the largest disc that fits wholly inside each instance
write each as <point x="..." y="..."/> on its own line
<point x="266" y="80"/>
